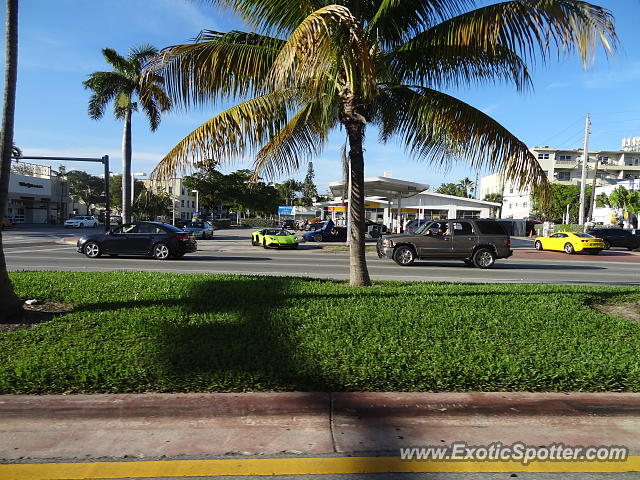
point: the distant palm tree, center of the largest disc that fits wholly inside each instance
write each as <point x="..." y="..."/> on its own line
<point x="11" y="308"/>
<point x="468" y="185"/>
<point x="317" y="65"/>
<point x="288" y="189"/>
<point x="123" y="85"/>
<point x="495" y="198"/>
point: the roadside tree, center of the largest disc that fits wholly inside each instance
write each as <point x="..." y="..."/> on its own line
<point x="126" y="86"/>
<point x="316" y="66"/>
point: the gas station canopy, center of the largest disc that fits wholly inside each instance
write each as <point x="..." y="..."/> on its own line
<point x="384" y="187"/>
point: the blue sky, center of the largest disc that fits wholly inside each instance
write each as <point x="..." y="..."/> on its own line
<point x="61" y="42"/>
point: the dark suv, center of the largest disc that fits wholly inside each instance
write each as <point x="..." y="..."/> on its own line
<point x="616" y="237"/>
<point x="477" y="242"/>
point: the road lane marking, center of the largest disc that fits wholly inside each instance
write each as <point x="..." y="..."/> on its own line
<point x="293" y="466"/>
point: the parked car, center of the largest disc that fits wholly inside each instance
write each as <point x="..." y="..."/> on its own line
<point x="115" y="220"/>
<point x="616" y="237"/>
<point x="569" y="243"/>
<point x="199" y="229"/>
<point x="159" y="240"/>
<point x="80" y="221"/>
<point x="289" y="223"/>
<point x="326" y="232"/>
<point x="274" y="238"/>
<point x="475" y="242"/>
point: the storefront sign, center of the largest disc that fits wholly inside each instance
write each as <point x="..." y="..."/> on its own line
<point x="30" y="185"/>
<point x="285" y="210"/>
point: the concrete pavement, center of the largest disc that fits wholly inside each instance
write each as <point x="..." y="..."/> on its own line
<point x="218" y="424"/>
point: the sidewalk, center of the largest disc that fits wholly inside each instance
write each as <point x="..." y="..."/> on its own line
<point x="72" y="427"/>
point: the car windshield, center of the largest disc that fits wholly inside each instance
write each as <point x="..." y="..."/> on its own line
<point x="278" y="233"/>
<point x="77" y="217"/>
<point x="584" y="235"/>
<point x="423" y="227"/>
<point x="195" y="225"/>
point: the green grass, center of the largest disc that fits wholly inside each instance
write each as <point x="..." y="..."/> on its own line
<point x="133" y="332"/>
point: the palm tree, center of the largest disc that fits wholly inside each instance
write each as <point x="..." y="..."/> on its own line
<point x="317" y="65"/>
<point x="468" y="185"/>
<point x="495" y="198"/>
<point x="123" y="85"/>
<point x="11" y="308"/>
<point x="624" y="201"/>
<point x="288" y="189"/>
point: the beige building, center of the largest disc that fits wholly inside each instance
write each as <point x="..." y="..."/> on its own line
<point x="565" y="167"/>
<point x="184" y="200"/>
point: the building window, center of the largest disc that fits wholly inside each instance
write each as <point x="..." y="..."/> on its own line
<point x="170" y="190"/>
<point x="183" y="191"/>
<point x="604" y="160"/>
<point x="564" y="157"/>
<point x="468" y="213"/>
<point x="543" y="156"/>
<point x="182" y="203"/>
<point x="564" y="176"/>
<point x="524" y="205"/>
<point x="193" y="204"/>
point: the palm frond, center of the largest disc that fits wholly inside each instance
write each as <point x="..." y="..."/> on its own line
<point x="442" y="129"/>
<point x="216" y="65"/>
<point x="328" y="40"/>
<point x="274" y="17"/>
<point x="117" y="61"/>
<point x="304" y="136"/>
<point x="105" y="86"/>
<point x="395" y="21"/>
<point x="527" y="27"/>
<point x="453" y="66"/>
<point x="230" y="135"/>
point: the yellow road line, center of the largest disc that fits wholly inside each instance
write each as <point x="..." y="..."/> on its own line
<point x="291" y="466"/>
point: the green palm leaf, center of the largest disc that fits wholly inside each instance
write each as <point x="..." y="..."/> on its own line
<point x="216" y="65"/>
<point x="443" y="129"/>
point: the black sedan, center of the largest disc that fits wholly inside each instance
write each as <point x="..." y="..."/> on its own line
<point x="155" y="239"/>
<point x="616" y="237"/>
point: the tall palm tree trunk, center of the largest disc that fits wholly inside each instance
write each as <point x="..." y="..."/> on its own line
<point x="11" y="308"/>
<point x="358" y="273"/>
<point x="126" y="168"/>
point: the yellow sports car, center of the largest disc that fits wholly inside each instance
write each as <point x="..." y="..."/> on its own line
<point x="570" y="243"/>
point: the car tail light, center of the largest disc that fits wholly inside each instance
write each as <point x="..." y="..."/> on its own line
<point x="508" y="242"/>
<point x="182" y="236"/>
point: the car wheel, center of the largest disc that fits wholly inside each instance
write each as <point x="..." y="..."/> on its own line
<point x="253" y="241"/>
<point x="484" y="258"/>
<point x="568" y="248"/>
<point x="264" y="244"/>
<point x="161" y="251"/>
<point x="81" y="225"/>
<point x="92" y="250"/>
<point x="538" y="245"/>
<point x="317" y="237"/>
<point x="607" y="245"/>
<point x="95" y="225"/>
<point x="404" y="256"/>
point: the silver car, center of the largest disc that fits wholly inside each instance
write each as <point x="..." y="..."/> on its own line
<point x="199" y="229"/>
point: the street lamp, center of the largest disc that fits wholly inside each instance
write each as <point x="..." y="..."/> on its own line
<point x="196" y="192"/>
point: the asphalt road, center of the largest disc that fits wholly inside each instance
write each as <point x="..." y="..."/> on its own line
<point x="230" y="252"/>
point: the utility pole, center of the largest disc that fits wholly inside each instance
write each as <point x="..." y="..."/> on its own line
<point x="593" y="193"/>
<point x="585" y="160"/>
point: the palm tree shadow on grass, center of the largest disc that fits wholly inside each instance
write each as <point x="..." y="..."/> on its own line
<point x="232" y="335"/>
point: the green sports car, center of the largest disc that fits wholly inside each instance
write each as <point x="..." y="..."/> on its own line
<point x="274" y="238"/>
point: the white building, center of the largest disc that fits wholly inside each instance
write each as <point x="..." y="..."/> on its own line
<point x="36" y="194"/>
<point x="393" y="201"/>
<point x="565" y="167"/>
<point x="184" y="200"/>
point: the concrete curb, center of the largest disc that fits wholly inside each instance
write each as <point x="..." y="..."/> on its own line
<point x="219" y="424"/>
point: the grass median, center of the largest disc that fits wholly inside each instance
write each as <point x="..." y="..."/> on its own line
<point x="134" y="332"/>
